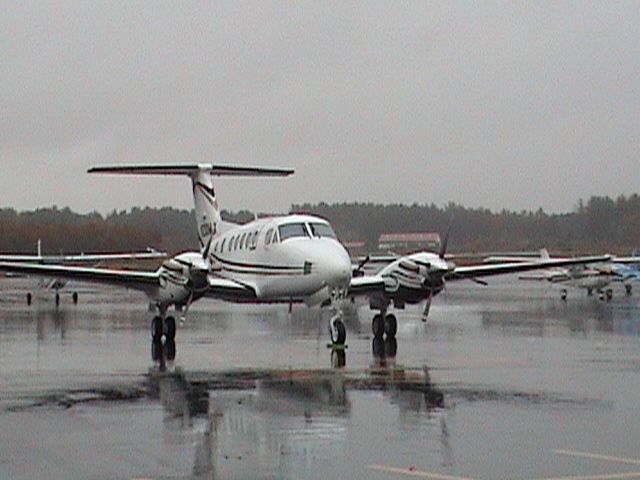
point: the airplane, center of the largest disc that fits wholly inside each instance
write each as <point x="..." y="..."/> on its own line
<point x="287" y="259"/>
<point x="57" y="284"/>
<point x="596" y="277"/>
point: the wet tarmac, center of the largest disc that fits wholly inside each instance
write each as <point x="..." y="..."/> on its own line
<point x="505" y="381"/>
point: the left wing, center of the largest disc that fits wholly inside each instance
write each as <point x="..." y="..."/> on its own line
<point x="474" y="271"/>
<point x="83" y="258"/>
<point x="230" y="290"/>
<point x="136" y="279"/>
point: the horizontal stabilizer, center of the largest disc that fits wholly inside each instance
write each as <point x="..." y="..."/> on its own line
<point x="193" y="169"/>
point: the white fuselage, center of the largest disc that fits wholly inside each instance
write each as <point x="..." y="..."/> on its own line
<point x="283" y="259"/>
<point x="279" y="266"/>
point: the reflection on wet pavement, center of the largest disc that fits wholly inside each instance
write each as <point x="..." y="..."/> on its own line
<point x="495" y="385"/>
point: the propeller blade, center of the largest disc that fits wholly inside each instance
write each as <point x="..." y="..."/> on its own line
<point x="427" y="307"/>
<point x="183" y="317"/>
<point x="443" y="246"/>
<point x="357" y="272"/>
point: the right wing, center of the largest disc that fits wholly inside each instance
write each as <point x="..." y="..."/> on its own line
<point x="367" y="285"/>
<point x="136" y="279"/>
<point x="474" y="271"/>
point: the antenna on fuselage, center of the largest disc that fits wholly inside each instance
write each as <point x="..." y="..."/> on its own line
<point x="204" y="198"/>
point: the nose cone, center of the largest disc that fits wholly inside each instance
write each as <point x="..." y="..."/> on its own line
<point x="333" y="263"/>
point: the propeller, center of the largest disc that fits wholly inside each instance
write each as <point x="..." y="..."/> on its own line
<point x="443" y="245"/>
<point x="358" y="272"/>
<point x="430" y="281"/>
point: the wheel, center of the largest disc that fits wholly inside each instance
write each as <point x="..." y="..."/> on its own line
<point x="627" y="289"/>
<point x="29" y="298"/>
<point x="156" y="349"/>
<point x="337" y="331"/>
<point x="609" y="294"/>
<point x="377" y="326"/>
<point x="156" y="328"/>
<point x="170" y="325"/>
<point x="57" y="299"/>
<point x="589" y="292"/>
<point x="563" y="294"/>
<point x="390" y="325"/>
<point x="74" y="297"/>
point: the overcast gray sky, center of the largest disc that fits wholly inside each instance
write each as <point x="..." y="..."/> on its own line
<point x="499" y="104"/>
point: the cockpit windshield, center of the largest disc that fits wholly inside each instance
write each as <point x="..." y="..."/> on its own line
<point x="290" y="230"/>
<point x="322" y="230"/>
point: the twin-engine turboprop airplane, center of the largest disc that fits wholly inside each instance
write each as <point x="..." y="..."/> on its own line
<point x="292" y="258"/>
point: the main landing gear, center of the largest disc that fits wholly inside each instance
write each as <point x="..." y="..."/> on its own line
<point x="384" y="324"/>
<point x="160" y="327"/>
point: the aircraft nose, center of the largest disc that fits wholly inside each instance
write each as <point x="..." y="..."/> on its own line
<point x="335" y="266"/>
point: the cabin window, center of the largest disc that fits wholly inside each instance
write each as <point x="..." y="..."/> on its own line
<point x="267" y="237"/>
<point x="231" y="243"/>
<point x="215" y="247"/>
<point x="274" y="237"/>
<point x="242" y="238"/>
<point x="322" y="230"/>
<point x="235" y="243"/>
<point x="292" y="230"/>
<point x="222" y="245"/>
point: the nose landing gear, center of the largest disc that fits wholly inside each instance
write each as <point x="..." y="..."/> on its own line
<point x="337" y="330"/>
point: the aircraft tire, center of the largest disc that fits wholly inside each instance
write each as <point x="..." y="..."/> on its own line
<point x="377" y="326"/>
<point x="170" y="325"/>
<point x="74" y="297"/>
<point x="57" y="299"/>
<point x="337" y="331"/>
<point x="156" y="328"/>
<point x="29" y="298"/>
<point x="390" y="325"/>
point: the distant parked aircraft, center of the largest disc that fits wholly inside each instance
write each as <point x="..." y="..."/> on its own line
<point x="595" y="277"/>
<point x="94" y="259"/>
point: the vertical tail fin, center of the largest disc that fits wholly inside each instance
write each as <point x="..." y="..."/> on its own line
<point x="206" y="209"/>
<point x="206" y="205"/>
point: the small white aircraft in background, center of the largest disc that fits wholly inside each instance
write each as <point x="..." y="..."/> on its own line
<point x="596" y="277"/>
<point x="286" y="259"/>
<point x="94" y="259"/>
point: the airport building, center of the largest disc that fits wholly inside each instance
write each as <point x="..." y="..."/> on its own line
<point x="402" y="243"/>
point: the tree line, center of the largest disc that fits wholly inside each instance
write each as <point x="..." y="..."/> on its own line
<point x="600" y="224"/>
